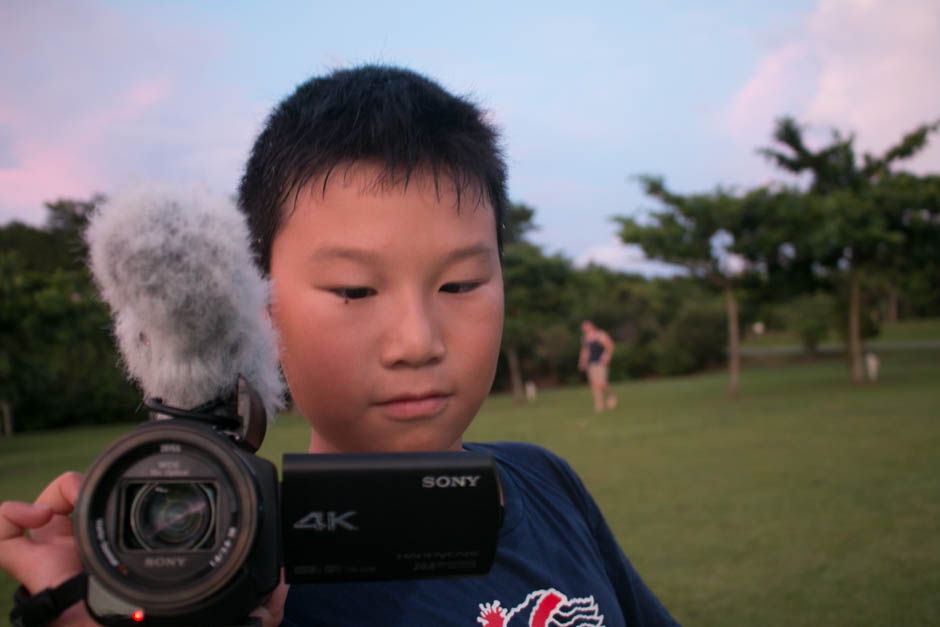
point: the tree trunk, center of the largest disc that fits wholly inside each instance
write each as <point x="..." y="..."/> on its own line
<point x="515" y="374"/>
<point x="7" y="419"/>
<point x="734" y="353"/>
<point x="855" y="331"/>
<point x="892" y="316"/>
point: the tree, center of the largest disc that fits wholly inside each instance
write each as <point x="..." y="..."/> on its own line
<point x="59" y="244"/>
<point x="861" y="211"/>
<point x="694" y="231"/>
<point x="58" y="364"/>
<point x="537" y="295"/>
<point x="517" y="223"/>
<point x="921" y="220"/>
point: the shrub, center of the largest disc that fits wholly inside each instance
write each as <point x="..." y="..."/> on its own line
<point x="810" y="317"/>
<point x="695" y="340"/>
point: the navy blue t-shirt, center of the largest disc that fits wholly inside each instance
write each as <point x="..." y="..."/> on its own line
<point x="557" y="564"/>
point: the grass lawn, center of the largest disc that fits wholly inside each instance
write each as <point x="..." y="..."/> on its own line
<point x="807" y="501"/>
<point x="924" y="329"/>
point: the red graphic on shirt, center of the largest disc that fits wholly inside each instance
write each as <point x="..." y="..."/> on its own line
<point x="543" y="608"/>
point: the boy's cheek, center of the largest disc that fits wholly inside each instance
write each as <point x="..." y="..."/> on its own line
<point x="494" y="312"/>
<point x="322" y="394"/>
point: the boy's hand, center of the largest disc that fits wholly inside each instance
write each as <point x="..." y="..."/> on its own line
<point x="272" y="612"/>
<point x="46" y="557"/>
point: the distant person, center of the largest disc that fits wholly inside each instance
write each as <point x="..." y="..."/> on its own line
<point x="596" y="350"/>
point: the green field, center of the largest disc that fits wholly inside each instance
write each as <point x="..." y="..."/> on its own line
<point x="807" y="501"/>
<point x="921" y="330"/>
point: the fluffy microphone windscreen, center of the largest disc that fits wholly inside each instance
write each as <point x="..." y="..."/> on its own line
<point x="188" y="302"/>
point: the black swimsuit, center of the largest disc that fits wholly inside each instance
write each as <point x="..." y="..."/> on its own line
<point x="595" y="350"/>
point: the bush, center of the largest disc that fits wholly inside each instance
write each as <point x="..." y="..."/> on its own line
<point x="633" y="361"/>
<point x="810" y="317"/>
<point x="58" y="363"/>
<point x="695" y="340"/>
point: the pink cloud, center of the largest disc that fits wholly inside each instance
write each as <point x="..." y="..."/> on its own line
<point x="770" y="90"/>
<point x="117" y="98"/>
<point x="42" y="168"/>
<point x="866" y="66"/>
<point x="146" y="94"/>
<point x="67" y="164"/>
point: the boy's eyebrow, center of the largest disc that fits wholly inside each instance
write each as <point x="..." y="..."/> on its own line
<point x="365" y="256"/>
<point x="474" y="250"/>
<point x="341" y="252"/>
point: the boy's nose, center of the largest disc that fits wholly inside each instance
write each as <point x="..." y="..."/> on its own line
<point x="413" y="337"/>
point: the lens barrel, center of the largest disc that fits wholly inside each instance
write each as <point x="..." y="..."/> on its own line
<point x="176" y="520"/>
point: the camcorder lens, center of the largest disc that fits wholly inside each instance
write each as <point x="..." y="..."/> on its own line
<point x="173" y="516"/>
<point x="178" y="521"/>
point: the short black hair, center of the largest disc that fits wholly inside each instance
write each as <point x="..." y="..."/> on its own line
<point x="390" y="116"/>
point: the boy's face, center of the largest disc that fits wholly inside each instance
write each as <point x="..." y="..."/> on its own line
<point x="389" y="305"/>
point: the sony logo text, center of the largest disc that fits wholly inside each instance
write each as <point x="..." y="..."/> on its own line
<point x="445" y="481"/>
<point x="164" y="562"/>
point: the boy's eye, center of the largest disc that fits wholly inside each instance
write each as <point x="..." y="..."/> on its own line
<point x="460" y="288"/>
<point x="353" y="293"/>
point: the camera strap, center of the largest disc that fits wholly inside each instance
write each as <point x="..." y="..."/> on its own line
<point x="41" y="609"/>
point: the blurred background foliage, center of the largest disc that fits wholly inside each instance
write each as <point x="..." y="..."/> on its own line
<point x="857" y="246"/>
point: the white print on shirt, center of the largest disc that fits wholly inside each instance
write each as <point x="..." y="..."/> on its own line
<point x="543" y="608"/>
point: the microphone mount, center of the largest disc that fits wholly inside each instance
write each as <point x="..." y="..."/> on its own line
<point x="241" y="416"/>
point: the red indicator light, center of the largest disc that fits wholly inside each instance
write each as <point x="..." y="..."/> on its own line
<point x="138" y="616"/>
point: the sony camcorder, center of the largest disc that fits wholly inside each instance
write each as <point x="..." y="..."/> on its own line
<point x="179" y="523"/>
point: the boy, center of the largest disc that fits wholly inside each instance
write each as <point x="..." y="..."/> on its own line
<point x="375" y="199"/>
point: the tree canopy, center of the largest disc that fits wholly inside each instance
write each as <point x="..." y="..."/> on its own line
<point x="855" y="219"/>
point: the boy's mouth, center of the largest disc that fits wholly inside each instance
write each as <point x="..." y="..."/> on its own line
<point x="411" y="406"/>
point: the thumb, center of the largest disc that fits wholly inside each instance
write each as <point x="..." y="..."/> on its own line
<point x="272" y="612"/>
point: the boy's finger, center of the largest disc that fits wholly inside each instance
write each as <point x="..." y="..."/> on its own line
<point x="60" y="495"/>
<point x="15" y="556"/>
<point x="59" y="526"/>
<point x="17" y="517"/>
<point x="272" y="612"/>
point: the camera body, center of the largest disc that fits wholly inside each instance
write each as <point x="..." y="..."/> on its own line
<point x="179" y="523"/>
<point x="377" y="516"/>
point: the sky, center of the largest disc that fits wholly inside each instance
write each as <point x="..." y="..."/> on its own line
<point x="97" y="94"/>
